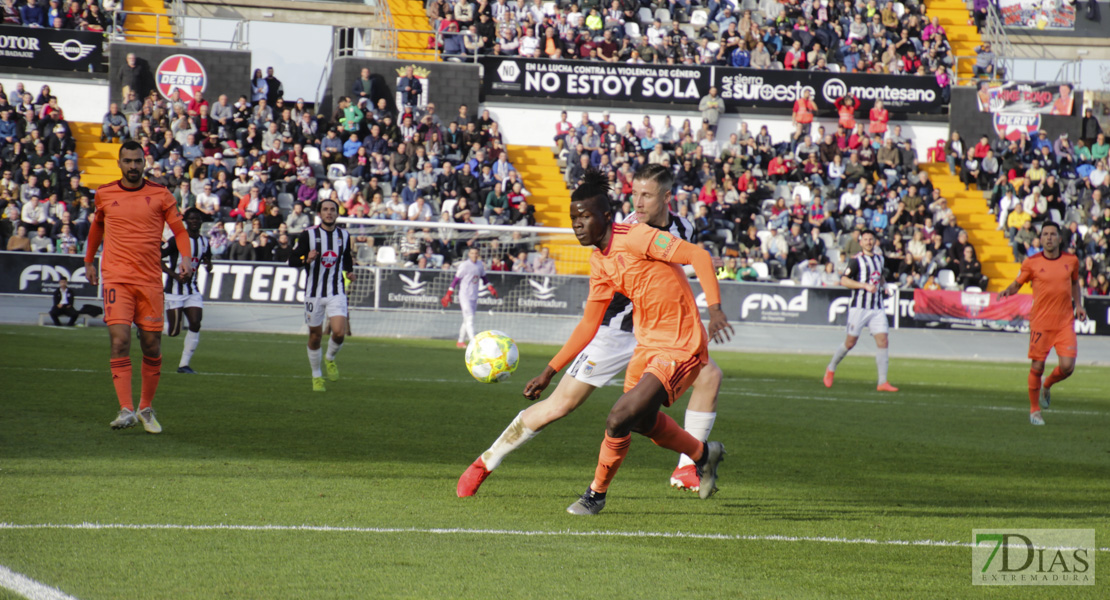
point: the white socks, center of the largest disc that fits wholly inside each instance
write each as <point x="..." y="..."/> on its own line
<point x="466" y="330"/>
<point x="882" y="360"/>
<point x="192" y="338"/>
<point x="698" y="424"/>
<point x="514" y="436"/>
<point x="838" y="356"/>
<point x="314" y="361"/>
<point x="333" y="348"/>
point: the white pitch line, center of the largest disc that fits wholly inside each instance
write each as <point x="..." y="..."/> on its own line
<point x="735" y="392"/>
<point x="29" y="588"/>
<point x="506" y="532"/>
<point x="731" y="391"/>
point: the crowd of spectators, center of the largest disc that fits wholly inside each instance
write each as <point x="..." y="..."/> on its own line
<point x="43" y="204"/>
<point x="1031" y="180"/>
<point x="787" y="208"/>
<point x="874" y="36"/>
<point x="257" y="166"/>
<point x="94" y="16"/>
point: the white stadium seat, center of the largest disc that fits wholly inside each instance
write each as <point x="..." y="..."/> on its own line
<point x="761" y="270"/>
<point x="947" y="279"/>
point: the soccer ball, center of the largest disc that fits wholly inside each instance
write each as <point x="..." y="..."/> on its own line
<point x="491" y="357"/>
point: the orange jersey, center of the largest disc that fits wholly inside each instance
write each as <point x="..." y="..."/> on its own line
<point x="1051" y="280"/>
<point x="133" y="221"/>
<point x="635" y="264"/>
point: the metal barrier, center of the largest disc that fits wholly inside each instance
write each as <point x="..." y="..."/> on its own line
<point x="174" y="32"/>
<point x="382" y="42"/>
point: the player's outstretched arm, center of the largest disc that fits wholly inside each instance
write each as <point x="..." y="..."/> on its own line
<point x="1026" y="274"/>
<point x="445" y="301"/>
<point x="1009" y="291"/>
<point x="592" y="318"/>
<point x="690" y="254"/>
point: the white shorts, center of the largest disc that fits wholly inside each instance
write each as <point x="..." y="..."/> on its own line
<point x="184" y="300"/>
<point x="315" y="309"/>
<point x="871" y="318"/>
<point x="604" y="358"/>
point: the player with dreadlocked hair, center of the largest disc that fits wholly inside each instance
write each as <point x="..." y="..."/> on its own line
<point x="641" y="263"/>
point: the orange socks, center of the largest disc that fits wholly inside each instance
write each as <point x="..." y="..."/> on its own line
<point x="1035" y="390"/>
<point x="121" y="378"/>
<point x="667" y="434"/>
<point x="613" y="451"/>
<point x="152" y="373"/>
<point x="1055" y="377"/>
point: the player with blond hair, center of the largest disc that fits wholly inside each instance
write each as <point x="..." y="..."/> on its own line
<point x="642" y="263"/>
<point x="607" y="354"/>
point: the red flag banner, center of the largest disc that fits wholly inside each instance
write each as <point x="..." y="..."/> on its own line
<point x="971" y="308"/>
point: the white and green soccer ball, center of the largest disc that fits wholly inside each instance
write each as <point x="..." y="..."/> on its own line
<point x="491" y="357"/>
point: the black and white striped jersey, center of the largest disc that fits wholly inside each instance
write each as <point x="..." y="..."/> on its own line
<point x="619" y="313"/>
<point x="324" y="275"/>
<point x="867" y="269"/>
<point x="201" y="252"/>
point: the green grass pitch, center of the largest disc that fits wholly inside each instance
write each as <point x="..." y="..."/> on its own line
<point x="377" y="457"/>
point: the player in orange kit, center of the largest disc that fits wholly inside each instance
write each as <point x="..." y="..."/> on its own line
<point x="1054" y="276"/>
<point x="641" y="263"/>
<point x="130" y="216"/>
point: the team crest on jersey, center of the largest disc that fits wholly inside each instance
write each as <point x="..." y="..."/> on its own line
<point x="329" y="259"/>
<point x="183" y="74"/>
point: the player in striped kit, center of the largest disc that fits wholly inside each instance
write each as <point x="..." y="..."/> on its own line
<point x="865" y="277"/>
<point x="609" y="353"/>
<point x="182" y="294"/>
<point x="325" y="253"/>
<point x="470" y="272"/>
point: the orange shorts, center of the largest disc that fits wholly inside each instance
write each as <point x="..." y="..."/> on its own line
<point x="126" y="303"/>
<point x="677" y="370"/>
<point x="1063" y="339"/>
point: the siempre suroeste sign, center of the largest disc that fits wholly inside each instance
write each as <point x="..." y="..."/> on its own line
<point x="687" y="84"/>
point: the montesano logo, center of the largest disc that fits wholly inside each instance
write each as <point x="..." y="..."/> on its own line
<point x="1010" y="126"/>
<point x="183" y="74"/>
<point x="18" y="46"/>
<point x="836" y="88"/>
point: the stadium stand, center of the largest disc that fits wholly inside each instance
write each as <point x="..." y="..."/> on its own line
<point x="885" y="37"/>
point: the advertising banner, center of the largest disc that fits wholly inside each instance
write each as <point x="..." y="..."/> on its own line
<point x="568" y="79"/>
<point x="779" y="89"/>
<point x="44" y="48"/>
<point x="687" y="84"/>
<point x="1028" y="98"/>
<point x="36" y="273"/>
<point x="1037" y="14"/>
<point x="776" y="304"/>
<point x="516" y="292"/>
<point x="971" y="308"/>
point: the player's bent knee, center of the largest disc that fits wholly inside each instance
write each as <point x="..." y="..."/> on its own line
<point x="711" y="375"/>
